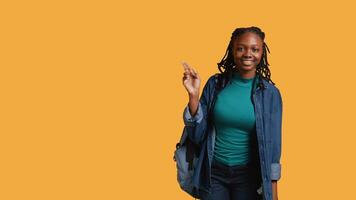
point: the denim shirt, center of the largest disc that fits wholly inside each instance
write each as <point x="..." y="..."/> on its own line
<point x="267" y="104"/>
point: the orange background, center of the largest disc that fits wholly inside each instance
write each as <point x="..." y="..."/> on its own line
<point x="92" y="98"/>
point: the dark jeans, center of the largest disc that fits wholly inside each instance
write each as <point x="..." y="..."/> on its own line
<point x="238" y="182"/>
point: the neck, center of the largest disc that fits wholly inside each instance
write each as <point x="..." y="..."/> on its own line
<point x="246" y="74"/>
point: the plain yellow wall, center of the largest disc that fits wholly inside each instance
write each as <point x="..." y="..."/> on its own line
<point x="92" y="98"/>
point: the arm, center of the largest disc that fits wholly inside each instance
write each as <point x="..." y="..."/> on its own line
<point x="195" y="114"/>
<point x="274" y="190"/>
<point x="277" y="139"/>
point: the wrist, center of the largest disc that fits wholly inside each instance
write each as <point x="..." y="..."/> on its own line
<point x="193" y="96"/>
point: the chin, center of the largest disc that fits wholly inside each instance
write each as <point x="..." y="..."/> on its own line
<point x="248" y="67"/>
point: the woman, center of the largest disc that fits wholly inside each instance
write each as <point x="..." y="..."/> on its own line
<point x="238" y="121"/>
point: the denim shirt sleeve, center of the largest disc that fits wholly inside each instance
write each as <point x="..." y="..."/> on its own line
<point x="191" y="121"/>
<point x="276" y="131"/>
<point x="197" y="124"/>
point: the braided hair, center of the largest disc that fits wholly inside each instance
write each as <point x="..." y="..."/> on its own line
<point x="227" y="62"/>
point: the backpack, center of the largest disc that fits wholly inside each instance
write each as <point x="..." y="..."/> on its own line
<point x="186" y="156"/>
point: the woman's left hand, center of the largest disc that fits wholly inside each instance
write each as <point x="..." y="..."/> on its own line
<point x="274" y="190"/>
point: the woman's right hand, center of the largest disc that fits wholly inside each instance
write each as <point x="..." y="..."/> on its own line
<point x="191" y="80"/>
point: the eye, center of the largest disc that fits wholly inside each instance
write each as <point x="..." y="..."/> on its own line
<point x="239" y="49"/>
<point x="255" y="50"/>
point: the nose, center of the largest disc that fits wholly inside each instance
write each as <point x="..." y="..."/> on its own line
<point x="247" y="54"/>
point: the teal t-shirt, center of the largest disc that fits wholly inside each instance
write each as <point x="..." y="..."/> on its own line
<point x="234" y="120"/>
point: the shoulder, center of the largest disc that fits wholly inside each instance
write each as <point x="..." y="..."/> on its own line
<point x="272" y="88"/>
<point x="210" y="84"/>
<point x="275" y="93"/>
<point x="214" y="77"/>
<point x="212" y="80"/>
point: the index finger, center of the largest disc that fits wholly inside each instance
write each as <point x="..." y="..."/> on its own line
<point x="186" y="66"/>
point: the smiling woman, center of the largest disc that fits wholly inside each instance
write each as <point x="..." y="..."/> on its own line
<point x="247" y="53"/>
<point x="236" y="122"/>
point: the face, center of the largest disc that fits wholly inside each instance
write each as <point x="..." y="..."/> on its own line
<point x="247" y="51"/>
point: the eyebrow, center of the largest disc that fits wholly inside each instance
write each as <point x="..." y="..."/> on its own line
<point x="246" y="45"/>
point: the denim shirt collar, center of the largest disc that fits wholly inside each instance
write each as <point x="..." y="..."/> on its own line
<point x="256" y="86"/>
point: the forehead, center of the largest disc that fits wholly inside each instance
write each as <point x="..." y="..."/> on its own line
<point x="248" y="39"/>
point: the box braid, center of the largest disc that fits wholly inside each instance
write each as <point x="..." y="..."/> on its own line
<point x="227" y="62"/>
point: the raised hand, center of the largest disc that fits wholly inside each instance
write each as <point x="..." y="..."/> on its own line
<point x="191" y="80"/>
